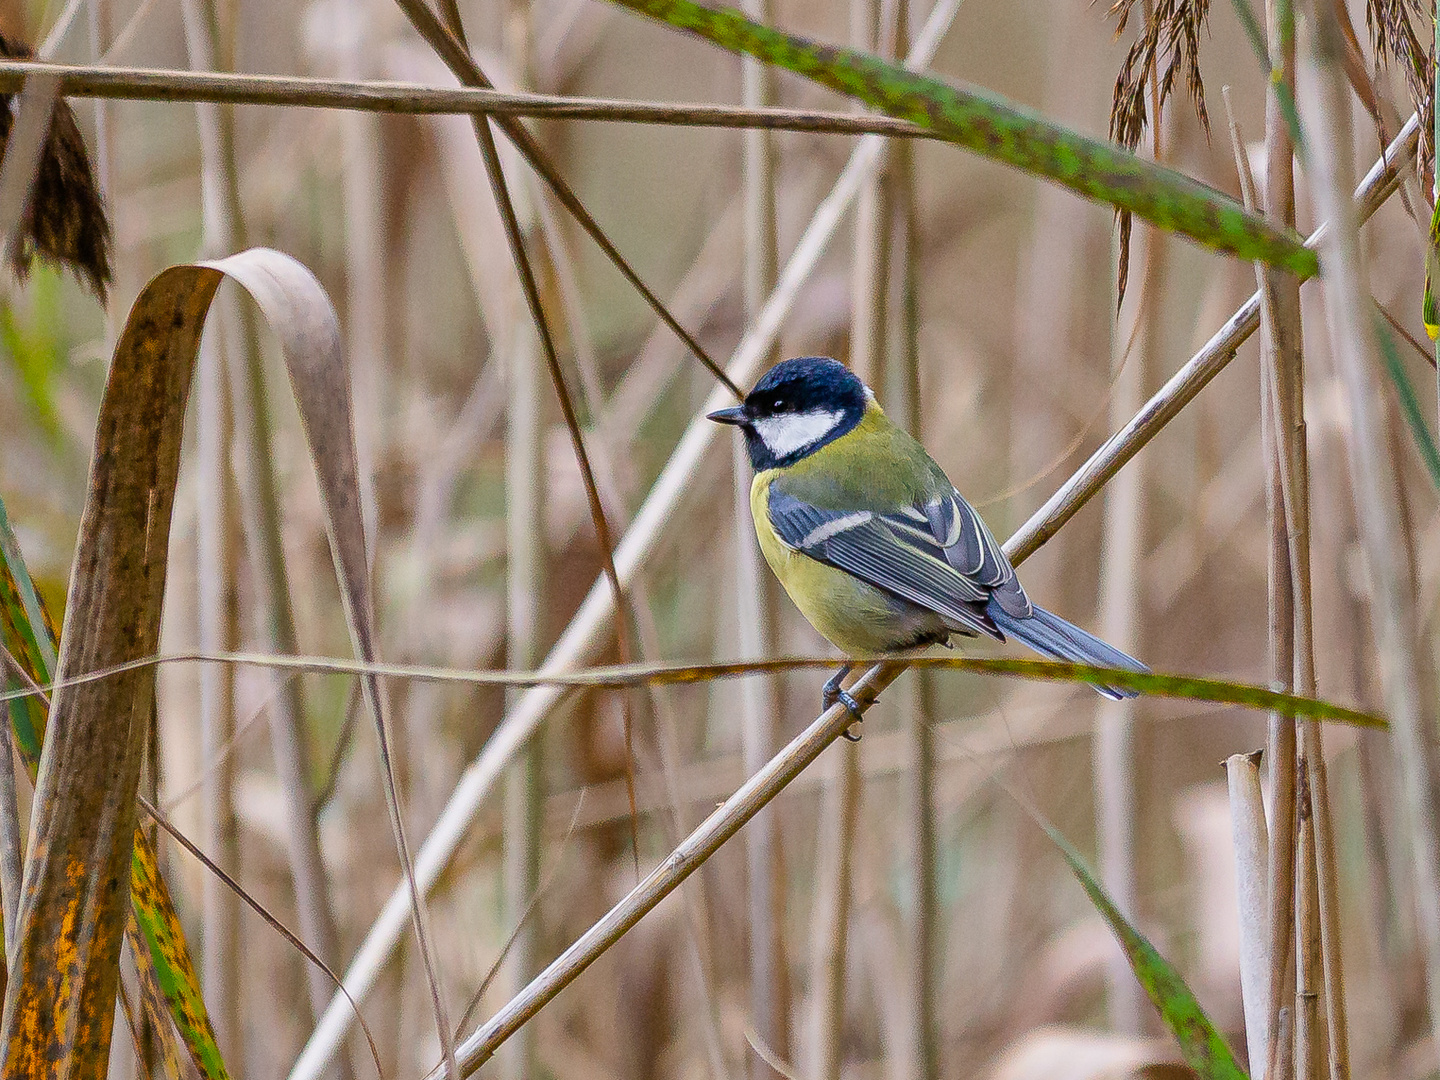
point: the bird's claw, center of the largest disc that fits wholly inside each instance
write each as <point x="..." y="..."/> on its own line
<point x="831" y="693"/>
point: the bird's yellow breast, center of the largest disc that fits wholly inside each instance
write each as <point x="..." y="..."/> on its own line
<point x="856" y="617"/>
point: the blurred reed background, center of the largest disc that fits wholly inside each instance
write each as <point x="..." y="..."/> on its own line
<point x="979" y="303"/>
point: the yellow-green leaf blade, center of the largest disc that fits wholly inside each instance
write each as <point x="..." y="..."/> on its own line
<point x="1201" y="1043"/>
<point x="154" y="913"/>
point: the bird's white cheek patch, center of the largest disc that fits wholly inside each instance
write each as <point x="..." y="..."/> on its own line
<point x="783" y="435"/>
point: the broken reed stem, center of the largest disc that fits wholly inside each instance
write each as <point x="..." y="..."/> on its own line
<point x="1251" y="843"/>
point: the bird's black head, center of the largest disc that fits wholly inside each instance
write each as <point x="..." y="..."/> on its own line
<point x="797" y="407"/>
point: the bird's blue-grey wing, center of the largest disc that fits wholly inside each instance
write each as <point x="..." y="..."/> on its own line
<point x="908" y="563"/>
<point x="951" y="523"/>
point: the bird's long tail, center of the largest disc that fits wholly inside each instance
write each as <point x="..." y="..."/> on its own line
<point x="1052" y="636"/>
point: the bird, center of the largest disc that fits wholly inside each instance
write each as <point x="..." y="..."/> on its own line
<point x="869" y="537"/>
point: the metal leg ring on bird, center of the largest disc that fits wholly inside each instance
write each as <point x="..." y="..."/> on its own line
<point x="831" y="692"/>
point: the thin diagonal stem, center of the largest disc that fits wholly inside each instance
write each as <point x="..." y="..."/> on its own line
<point x="525" y="600"/>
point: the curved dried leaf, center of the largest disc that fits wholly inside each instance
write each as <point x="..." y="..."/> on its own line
<point x="59" y="1005"/>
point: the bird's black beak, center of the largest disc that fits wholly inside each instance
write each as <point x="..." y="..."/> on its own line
<point x="734" y="415"/>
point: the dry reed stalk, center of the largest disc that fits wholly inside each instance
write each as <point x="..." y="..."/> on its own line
<point x="259" y="511"/>
<point x="1117" y="793"/>
<point x="97" y="18"/>
<point x="216" y="600"/>
<point x="836" y="826"/>
<point x="366" y="264"/>
<point x="1292" y="645"/>
<point x="922" y="1054"/>
<point x="830" y="937"/>
<point x="1281" y="344"/>
<point x="1310" y="1036"/>
<point x="1285" y="369"/>
<point x="764" y="852"/>
<point x="260" y="514"/>
<point x="1396" y="626"/>
<point x="1280" y="348"/>
<point x="1281" y="748"/>
<point x="1251" y="841"/>
<point x="525" y="596"/>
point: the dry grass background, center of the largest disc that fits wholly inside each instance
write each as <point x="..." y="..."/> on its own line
<point x="1016" y="339"/>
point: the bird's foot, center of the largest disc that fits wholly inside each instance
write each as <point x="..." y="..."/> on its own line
<point x="831" y="692"/>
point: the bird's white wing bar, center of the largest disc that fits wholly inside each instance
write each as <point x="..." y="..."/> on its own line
<point x="821" y="533"/>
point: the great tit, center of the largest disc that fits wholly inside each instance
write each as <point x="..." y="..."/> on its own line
<point x="870" y="539"/>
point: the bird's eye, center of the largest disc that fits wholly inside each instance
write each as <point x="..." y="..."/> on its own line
<point x="780" y="405"/>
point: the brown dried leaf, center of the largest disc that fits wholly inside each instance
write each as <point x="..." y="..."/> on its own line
<point x="65" y="221"/>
